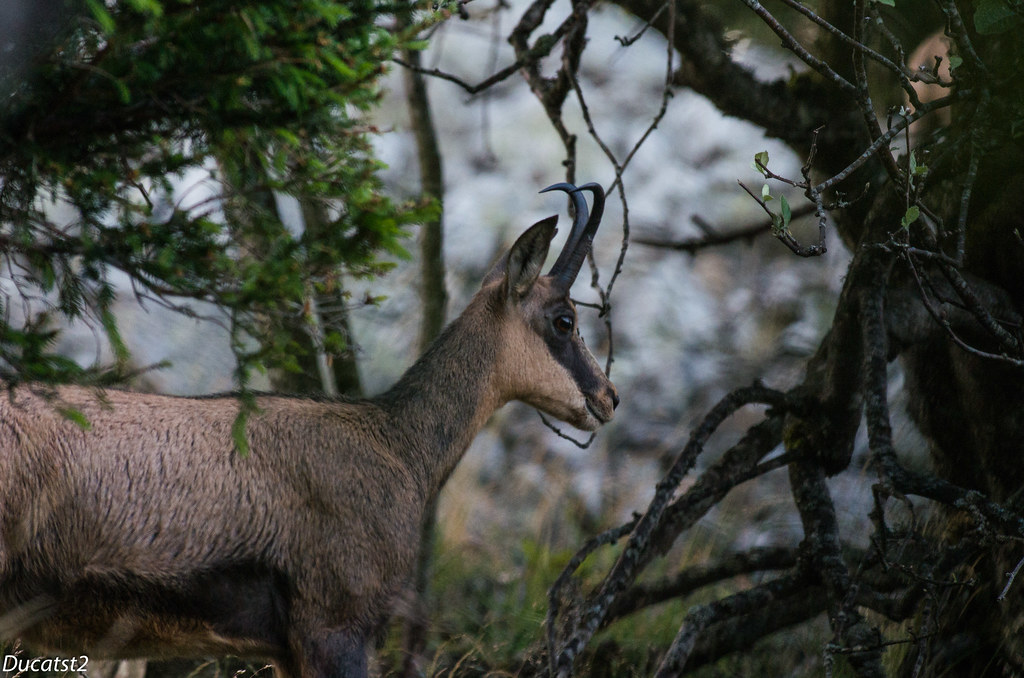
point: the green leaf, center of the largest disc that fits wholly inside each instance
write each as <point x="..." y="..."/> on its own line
<point x="544" y="44"/>
<point x="123" y="91"/>
<point x="102" y="16"/>
<point x="117" y="345"/>
<point x="152" y="7"/>
<point x="915" y="169"/>
<point x="332" y="12"/>
<point x="888" y="3"/>
<point x="238" y="430"/>
<point x="343" y="69"/>
<point x="787" y="213"/>
<point x="913" y="212"/>
<point x="290" y="137"/>
<point x="760" y="162"/>
<point x="994" y="16"/>
<point x="48" y="277"/>
<point x="75" y="416"/>
<point x="766" y="193"/>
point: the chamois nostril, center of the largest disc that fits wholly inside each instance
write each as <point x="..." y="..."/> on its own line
<point x="615" y="399"/>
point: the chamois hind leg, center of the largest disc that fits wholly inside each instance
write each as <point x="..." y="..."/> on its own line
<point x="335" y="653"/>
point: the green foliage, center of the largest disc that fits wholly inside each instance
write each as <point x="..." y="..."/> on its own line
<point x="490" y="606"/>
<point x="760" y="163"/>
<point x="997" y="16"/>
<point x="781" y="219"/>
<point x="492" y="614"/>
<point x="244" y="99"/>
<point x="911" y="215"/>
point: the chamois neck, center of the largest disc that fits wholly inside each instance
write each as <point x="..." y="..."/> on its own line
<point x="441" y="403"/>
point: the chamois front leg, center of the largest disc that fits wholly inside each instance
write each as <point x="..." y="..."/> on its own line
<point x="334" y="653"/>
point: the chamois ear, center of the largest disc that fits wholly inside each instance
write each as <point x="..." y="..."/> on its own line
<point x="540" y="233"/>
<point x="525" y="259"/>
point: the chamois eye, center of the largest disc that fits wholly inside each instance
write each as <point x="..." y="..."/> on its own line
<point x="563" y="324"/>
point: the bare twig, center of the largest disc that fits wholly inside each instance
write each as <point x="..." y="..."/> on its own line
<point x="1010" y="577"/>
<point x="699" y="576"/>
<point x="701" y="617"/>
<point x="794" y="46"/>
<point x="940" y="318"/>
<point x="470" y="88"/>
<point x="781" y="232"/>
<point x="864" y="102"/>
<point x="965" y="202"/>
<point x="555" y="592"/>
<point x="629" y="40"/>
<point x="624" y="571"/>
<point x="692" y="245"/>
<point x="883" y="141"/>
<point x="859" y="46"/>
<point x="1010" y="344"/>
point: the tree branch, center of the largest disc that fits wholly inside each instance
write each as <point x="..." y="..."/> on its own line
<point x="699" y="576"/>
<point x="701" y="617"/>
<point x="637" y="549"/>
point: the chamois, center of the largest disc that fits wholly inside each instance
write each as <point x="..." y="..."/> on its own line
<point x="148" y="535"/>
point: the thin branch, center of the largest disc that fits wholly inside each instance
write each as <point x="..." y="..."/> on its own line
<point x="1010" y="344"/>
<point x="701" y="617"/>
<point x="960" y="35"/>
<point x="625" y="569"/>
<point x="1010" y="577"/>
<point x="555" y="592"/>
<point x="582" y="444"/>
<point x="859" y="46"/>
<point x="526" y="56"/>
<point x="884" y="139"/>
<point x="620" y="167"/>
<point x="799" y="50"/>
<point x="780" y="231"/>
<point x="693" y="578"/>
<point x="738" y="465"/>
<point x="867" y="108"/>
<point x="486" y="83"/>
<point x="629" y="40"/>
<point x="692" y="245"/>
<point x="707" y="67"/>
<point x="940" y="318"/>
<point x="965" y="197"/>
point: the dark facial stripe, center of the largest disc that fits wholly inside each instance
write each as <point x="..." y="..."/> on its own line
<point x="572" y="354"/>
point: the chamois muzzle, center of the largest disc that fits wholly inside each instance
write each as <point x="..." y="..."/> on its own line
<point x="581" y="237"/>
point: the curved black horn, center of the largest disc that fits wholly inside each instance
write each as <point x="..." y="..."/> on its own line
<point x="598" y="211"/>
<point x="579" y="222"/>
<point x="573" y="257"/>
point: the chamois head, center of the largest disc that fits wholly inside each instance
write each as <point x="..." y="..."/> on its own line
<point x="544" y="361"/>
